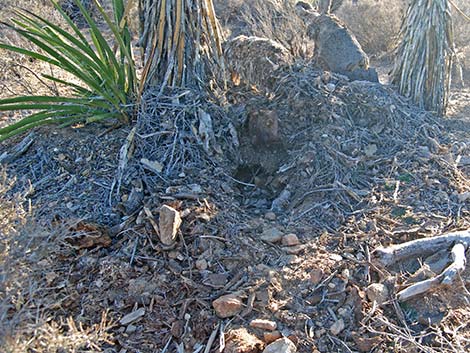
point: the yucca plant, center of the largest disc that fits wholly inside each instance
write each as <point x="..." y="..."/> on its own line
<point x="424" y="55"/>
<point x="104" y="81"/>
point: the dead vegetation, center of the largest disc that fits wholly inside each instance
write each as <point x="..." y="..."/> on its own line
<point x="286" y="227"/>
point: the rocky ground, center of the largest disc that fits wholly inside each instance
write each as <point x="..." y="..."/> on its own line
<point x="207" y="240"/>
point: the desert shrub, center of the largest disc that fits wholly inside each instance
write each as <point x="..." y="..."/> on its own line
<point x="374" y="23"/>
<point x="272" y="19"/>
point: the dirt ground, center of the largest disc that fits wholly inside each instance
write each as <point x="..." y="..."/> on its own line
<point x="283" y="231"/>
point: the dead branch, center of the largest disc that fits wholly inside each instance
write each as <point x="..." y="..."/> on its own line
<point x="445" y="278"/>
<point x="420" y="247"/>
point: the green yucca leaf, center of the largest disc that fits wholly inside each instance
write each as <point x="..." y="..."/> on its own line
<point x="30" y="53"/>
<point x="102" y="46"/>
<point x="79" y="90"/>
<point x="81" y="49"/>
<point x="108" y="77"/>
<point x="61" y="60"/>
<point x="48" y="99"/>
<point x="122" y="37"/>
<point x="41" y="118"/>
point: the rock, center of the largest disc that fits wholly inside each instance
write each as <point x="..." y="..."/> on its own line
<point x="337" y="327"/>
<point x="141" y="287"/>
<point x="281" y="345"/>
<point x="201" y="264"/>
<point x="131" y="328"/>
<point x="216" y="280"/>
<point x="227" y="306"/>
<point x="170" y="222"/>
<point x="271" y="235"/>
<point x="270" y="337"/>
<point x="264" y="324"/>
<point x="131" y="317"/>
<point x="290" y="240"/>
<point x="293" y="250"/>
<point x="240" y="341"/>
<point x="330" y="87"/>
<point x="282" y="201"/>
<point x="336" y="257"/>
<point x="270" y="216"/>
<point x="316" y="275"/>
<point x="377" y="292"/>
<point x="175" y="255"/>
<point x="431" y="318"/>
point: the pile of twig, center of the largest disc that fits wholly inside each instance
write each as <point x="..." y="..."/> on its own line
<point x="175" y="136"/>
<point x="364" y="141"/>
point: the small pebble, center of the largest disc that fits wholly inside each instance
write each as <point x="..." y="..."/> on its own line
<point x="131" y="328"/>
<point x="270" y="216"/>
<point x="330" y="87"/>
<point x="377" y="292"/>
<point x="316" y="275"/>
<point x="281" y="345"/>
<point x="201" y="264"/>
<point x="290" y="240"/>
<point x="264" y="324"/>
<point x="270" y="337"/>
<point x="337" y="327"/>
<point x="227" y="306"/>
<point x="271" y="235"/>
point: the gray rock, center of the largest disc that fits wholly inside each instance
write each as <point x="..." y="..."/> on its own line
<point x="272" y="235"/>
<point x="337" y="327"/>
<point x="282" y="345"/>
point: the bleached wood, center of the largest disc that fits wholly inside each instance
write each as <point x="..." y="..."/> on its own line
<point x="445" y="278"/>
<point x="420" y="247"/>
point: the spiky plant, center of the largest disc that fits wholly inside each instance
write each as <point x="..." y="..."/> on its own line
<point x="103" y="84"/>
<point x="182" y="42"/>
<point x="424" y="54"/>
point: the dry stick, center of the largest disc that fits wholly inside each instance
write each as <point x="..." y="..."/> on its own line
<point x="446" y="277"/>
<point x="392" y="254"/>
<point x="19" y="149"/>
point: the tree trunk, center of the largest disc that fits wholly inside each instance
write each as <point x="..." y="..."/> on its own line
<point x="181" y="41"/>
<point x="424" y="54"/>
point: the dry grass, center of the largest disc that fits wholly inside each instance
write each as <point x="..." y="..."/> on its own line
<point x="277" y="20"/>
<point x="272" y="19"/>
<point x="31" y="313"/>
<point x="20" y="75"/>
<point x="461" y="25"/>
<point x="374" y="23"/>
